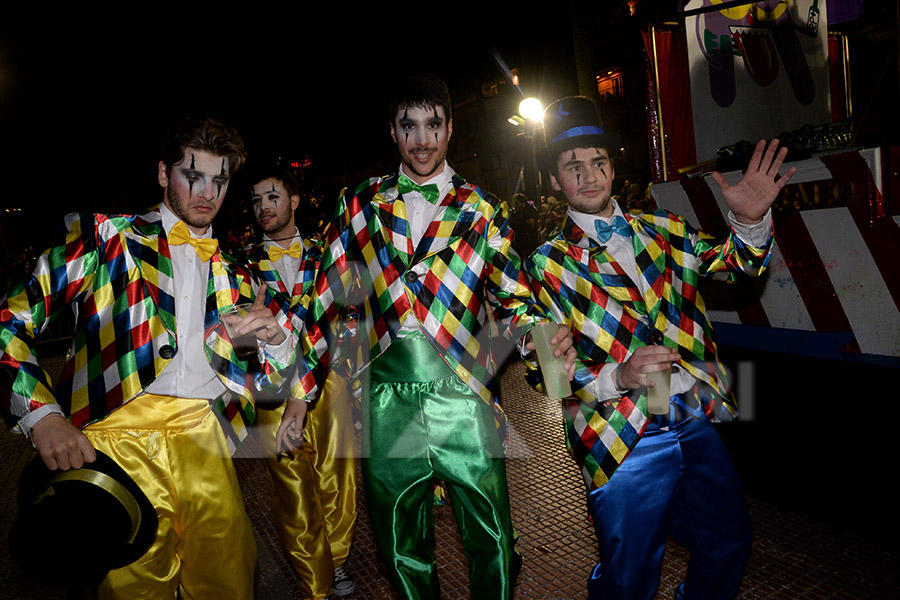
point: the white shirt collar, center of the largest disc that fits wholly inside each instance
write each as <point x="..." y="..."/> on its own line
<point x="169" y="219"/>
<point x="586" y="221"/>
<point x="267" y="241"/>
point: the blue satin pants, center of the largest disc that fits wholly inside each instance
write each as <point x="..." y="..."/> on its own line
<point x="677" y="482"/>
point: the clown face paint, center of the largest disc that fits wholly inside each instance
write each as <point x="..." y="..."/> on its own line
<point x="195" y="187"/>
<point x="585" y="176"/>
<point x="422" y="134"/>
<point x="274" y="210"/>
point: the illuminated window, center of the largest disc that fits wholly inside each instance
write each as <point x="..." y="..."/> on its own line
<point x="610" y="85"/>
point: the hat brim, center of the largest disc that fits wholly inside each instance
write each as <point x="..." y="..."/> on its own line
<point x="550" y="154"/>
<point x="74" y="526"/>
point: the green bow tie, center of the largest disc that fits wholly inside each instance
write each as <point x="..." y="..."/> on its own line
<point x="430" y="191"/>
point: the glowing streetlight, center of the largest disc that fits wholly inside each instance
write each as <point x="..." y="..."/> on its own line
<point x="532" y="109"/>
<point x="532" y="116"/>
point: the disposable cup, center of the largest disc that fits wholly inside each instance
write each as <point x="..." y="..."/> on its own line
<point x="553" y="368"/>
<point x="244" y="345"/>
<point x="658" y="395"/>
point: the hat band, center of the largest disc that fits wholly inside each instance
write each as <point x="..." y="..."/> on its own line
<point x="109" y="484"/>
<point x="577" y="131"/>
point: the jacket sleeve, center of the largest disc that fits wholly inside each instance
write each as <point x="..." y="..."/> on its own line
<point x="731" y="254"/>
<point x="507" y="291"/>
<point x="327" y="300"/>
<point x="62" y="277"/>
<point x="592" y="378"/>
<point x="277" y="362"/>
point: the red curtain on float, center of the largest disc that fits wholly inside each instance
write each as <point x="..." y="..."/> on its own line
<point x="674" y="95"/>
<point x="836" y="78"/>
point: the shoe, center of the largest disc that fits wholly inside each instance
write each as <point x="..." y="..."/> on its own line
<point x="343" y="583"/>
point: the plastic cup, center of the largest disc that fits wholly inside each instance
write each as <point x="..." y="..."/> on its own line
<point x="553" y="368"/>
<point x="244" y="345"/>
<point x="658" y="395"/>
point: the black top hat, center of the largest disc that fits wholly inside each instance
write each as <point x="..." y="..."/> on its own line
<point x="74" y="526"/>
<point x="574" y="122"/>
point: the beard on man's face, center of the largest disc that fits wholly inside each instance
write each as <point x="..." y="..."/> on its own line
<point x="179" y="207"/>
<point x="278" y="223"/>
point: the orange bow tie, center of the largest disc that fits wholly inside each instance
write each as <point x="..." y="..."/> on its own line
<point x="205" y="247"/>
<point x="295" y="250"/>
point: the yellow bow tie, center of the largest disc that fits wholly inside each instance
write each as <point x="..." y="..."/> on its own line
<point x="295" y="250"/>
<point x="205" y="247"/>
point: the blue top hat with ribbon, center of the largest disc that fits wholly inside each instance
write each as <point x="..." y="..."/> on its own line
<point x="573" y="122"/>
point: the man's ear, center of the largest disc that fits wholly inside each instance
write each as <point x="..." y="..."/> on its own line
<point x="393" y="133"/>
<point x="163" y="175"/>
<point x="295" y="202"/>
<point x="553" y="183"/>
<point x="449" y="129"/>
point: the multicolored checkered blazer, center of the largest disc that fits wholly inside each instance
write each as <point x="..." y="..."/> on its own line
<point x="463" y="262"/>
<point x="116" y="273"/>
<point x="610" y="318"/>
<point x="256" y="259"/>
<point x="294" y="301"/>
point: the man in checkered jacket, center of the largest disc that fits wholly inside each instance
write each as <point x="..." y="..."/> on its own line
<point x="314" y="486"/>
<point x="627" y="284"/>
<point x="150" y="362"/>
<point x="429" y="253"/>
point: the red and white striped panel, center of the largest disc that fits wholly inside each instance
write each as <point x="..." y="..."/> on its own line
<point x="834" y="269"/>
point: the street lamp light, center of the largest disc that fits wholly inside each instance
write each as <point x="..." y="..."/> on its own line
<point x="533" y="111"/>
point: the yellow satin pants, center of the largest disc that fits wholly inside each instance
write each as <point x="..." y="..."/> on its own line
<point x="176" y="452"/>
<point x="314" y="494"/>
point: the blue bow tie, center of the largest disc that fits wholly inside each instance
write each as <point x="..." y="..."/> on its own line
<point x="605" y="230"/>
<point x="429" y="192"/>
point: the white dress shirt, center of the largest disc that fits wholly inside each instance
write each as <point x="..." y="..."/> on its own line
<point x="189" y="375"/>
<point x="287" y="266"/>
<point x="419" y="214"/>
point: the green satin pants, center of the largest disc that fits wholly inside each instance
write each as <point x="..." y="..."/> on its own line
<point x="422" y="422"/>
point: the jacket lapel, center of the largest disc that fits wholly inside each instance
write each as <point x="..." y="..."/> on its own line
<point x="461" y="212"/>
<point x="150" y="249"/>
<point x="605" y="271"/>
<point x="652" y="253"/>
<point x="271" y="275"/>
<point x="307" y="274"/>
<point x="221" y="291"/>
<point x="390" y="212"/>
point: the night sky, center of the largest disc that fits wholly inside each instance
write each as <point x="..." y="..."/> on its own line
<point x="83" y="98"/>
<point x="85" y="95"/>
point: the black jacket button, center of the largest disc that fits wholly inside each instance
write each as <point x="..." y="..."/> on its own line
<point x="167" y="352"/>
<point x="411" y="277"/>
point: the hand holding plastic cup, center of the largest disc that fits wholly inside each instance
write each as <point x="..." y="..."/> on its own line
<point x="553" y="368"/>
<point x="244" y="345"/>
<point x="658" y="395"/>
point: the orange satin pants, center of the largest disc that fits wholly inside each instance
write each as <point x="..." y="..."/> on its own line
<point x="176" y="452"/>
<point x="314" y="494"/>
